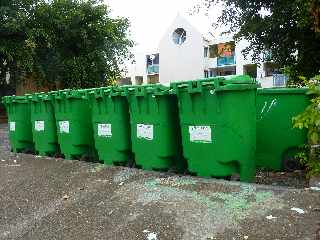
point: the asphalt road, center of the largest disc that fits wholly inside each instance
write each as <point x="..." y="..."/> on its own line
<point x="45" y="198"/>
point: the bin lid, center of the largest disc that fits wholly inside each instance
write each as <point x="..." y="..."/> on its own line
<point x="36" y="97"/>
<point x="142" y="90"/>
<point x="108" y="91"/>
<point x="239" y="79"/>
<point x="222" y="83"/>
<point x="303" y="90"/>
<point x="14" y="98"/>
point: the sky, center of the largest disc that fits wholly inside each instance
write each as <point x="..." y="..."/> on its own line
<point x="150" y="19"/>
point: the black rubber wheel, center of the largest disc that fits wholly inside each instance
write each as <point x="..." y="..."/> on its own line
<point x="290" y="164"/>
<point x="27" y="151"/>
<point x="131" y="163"/>
<point x="58" y="155"/>
<point x="85" y="158"/>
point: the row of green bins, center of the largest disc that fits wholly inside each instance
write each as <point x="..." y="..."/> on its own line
<point x="20" y="133"/>
<point x="155" y="130"/>
<point x="74" y="126"/>
<point x="277" y="141"/>
<point x="43" y="124"/>
<point x="218" y="124"/>
<point x="111" y="125"/>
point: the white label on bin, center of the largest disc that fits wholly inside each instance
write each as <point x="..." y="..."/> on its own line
<point x="39" y="125"/>
<point x="64" y="126"/>
<point x="12" y="126"/>
<point x="104" y="130"/>
<point x="145" y="131"/>
<point x="200" y="134"/>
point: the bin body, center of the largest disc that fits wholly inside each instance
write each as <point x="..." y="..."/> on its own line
<point x="277" y="140"/>
<point x="111" y="125"/>
<point x="218" y="123"/>
<point x="20" y="129"/>
<point x="43" y="124"/>
<point x="73" y="122"/>
<point x="155" y="132"/>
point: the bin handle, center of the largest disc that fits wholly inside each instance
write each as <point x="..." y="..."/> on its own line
<point x="194" y="87"/>
<point x="140" y="91"/>
<point x="217" y="82"/>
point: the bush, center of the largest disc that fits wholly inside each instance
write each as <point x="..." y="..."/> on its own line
<point x="310" y="120"/>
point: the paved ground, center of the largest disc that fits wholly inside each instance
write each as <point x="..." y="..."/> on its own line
<point x="44" y="198"/>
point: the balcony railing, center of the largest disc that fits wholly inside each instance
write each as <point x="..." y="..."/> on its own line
<point x="279" y="80"/>
<point x="222" y="61"/>
<point x="153" y="69"/>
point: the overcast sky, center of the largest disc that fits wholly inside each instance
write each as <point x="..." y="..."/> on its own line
<point x="150" y="19"/>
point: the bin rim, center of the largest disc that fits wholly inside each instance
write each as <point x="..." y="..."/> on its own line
<point x="41" y="96"/>
<point x="142" y="90"/>
<point x="15" y="99"/>
<point x="302" y="90"/>
<point x="238" y="82"/>
<point x="108" y="91"/>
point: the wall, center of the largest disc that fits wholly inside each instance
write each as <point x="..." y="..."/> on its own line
<point x="181" y="62"/>
<point x="138" y="68"/>
<point x="29" y="86"/>
<point x="241" y="60"/>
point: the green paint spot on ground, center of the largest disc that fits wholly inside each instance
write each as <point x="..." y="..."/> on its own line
<point x="123" y="175"/>
<point x="263" y="196"/>
<point x="98" y="168"/>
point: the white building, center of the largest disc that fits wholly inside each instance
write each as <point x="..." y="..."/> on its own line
<point x="184" y="54"/>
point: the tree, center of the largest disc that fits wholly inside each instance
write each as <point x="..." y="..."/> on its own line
<point x="14" y="55"/>
<point x="288" y="29"/>
<point x="70" y="42"/>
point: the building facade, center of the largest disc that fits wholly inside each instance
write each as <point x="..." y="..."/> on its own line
<point x="184" y="54"/>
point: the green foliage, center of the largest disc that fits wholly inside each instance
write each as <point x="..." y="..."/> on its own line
<point x="288" y="29"/>
<point x="70" y="43"/>
<point x="310" y="119"/>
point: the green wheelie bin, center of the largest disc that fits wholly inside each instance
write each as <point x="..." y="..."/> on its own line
<point x="277" y="141"/>
<point x="218" y="124"/>
<point x="20" y="128"/>
<point x="74" y="126"/>
<point x="111" y="125"/>
<point x="43" y="124"/>
<point x="155" y="131"/>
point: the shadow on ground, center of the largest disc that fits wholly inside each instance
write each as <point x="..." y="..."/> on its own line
<point x="46" y="198"/>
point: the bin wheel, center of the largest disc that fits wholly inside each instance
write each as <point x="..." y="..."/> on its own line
<point x="290" y="164"/>
<point x="27" y="151"/>
<point x="85" y="158"/>
<point x="58" y="155"/>
<point x="172" y="171"/>
<point x="131" y="163"/>
<point x="289" y="161"/>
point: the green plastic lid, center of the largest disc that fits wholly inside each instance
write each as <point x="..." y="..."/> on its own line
<point x="15" y="99"/>
<point x="142" y="90"/>
<point x="241" y="82"/>
<point x="282" y="90"/>
<point x="107" y="91"/>
<point x="36" y="97"/>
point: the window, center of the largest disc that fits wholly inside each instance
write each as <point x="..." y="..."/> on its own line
<point x="139" y="80"/>
<point x="206" y="74"/>
<point x="270" y="69"/>
<point x="179" y="36"/>
<point x="205" y="52"/>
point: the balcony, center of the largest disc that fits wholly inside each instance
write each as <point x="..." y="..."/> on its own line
<point x="225" y="61"/>
<point x="153" y="69"/>
<point x="279" y="80"/>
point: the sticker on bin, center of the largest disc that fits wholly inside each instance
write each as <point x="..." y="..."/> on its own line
<point x="145" y="131"/>
<point x="64" y="126"/>
<point x="12" y="126"/>
<point x="39" y="125"/>
<point x="104" y="130"/>
<point x="200" y="134"/>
